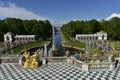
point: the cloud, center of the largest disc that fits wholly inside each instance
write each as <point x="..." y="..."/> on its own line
<point x="113" y="15"/>
<point x="11" y="10"/>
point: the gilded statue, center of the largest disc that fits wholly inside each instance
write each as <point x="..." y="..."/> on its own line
<point x="31" y="60"/>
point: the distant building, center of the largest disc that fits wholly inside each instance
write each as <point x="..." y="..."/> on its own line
<point x="10" y="37"/>
<point x="30" y="38"/>
<point x="97" y="36"/>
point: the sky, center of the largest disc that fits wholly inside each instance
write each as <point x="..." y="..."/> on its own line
<point x="59" y="12"/>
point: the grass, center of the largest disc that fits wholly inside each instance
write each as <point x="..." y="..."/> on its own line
<point x="68" y="42"/>
<point x="80" y="45"/>
<point x="115" y="44"/>
<point x="29" y="45"/>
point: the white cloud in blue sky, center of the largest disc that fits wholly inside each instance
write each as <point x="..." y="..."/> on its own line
<point x="113" y="15"/>
<point x="11" y="10"/>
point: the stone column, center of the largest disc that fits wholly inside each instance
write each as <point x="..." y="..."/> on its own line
<point x="84" y="39"/>
<point x="92" y="38"/>
<point x="88" y="38"/>
<point x="80" y="39"/>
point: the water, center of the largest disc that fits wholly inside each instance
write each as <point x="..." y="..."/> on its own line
<point x="58" y="43"/>
<point x="61" y="49"/>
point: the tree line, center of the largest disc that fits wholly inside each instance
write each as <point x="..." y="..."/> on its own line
<point x="112" y="27"/>
<point x="42" y="29"/>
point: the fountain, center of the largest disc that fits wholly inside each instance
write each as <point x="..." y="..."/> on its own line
<point x="45" y="50"/>
<point x="54" y="49"/>
<point x="105" y="55"/>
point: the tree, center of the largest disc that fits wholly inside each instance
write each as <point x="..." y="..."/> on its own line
<point x="38" y="29"/>
<point x="47" y="29"/>
<point x="3" y="29"/>
<point x="92" y="26"/>
<point x="15" y="25"/>
<point x="27" y="24"/>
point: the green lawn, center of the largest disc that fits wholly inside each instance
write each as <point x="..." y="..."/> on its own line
<point x="115" y="44"/>
<point x="29" y="45"/>
<point x="65" y="41"/>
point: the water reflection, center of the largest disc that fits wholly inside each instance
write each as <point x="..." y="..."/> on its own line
<point x="62" y="49"/>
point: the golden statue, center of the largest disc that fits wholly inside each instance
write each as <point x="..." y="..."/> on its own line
<point x="54" y="51"/>
<point x="86" y="54"/>
<point x="113" y="50"/>
<point x="67" y="53"/>
<point x="95" y="53"/>
<point x="81" y="56"/>
<point x="31" y="60"/>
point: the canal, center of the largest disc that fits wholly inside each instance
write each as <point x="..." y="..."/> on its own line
<point x="61" y="49"/>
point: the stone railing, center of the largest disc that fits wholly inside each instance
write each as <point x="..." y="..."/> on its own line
<point x="101" y="66"/>
<point x="8" y="55"/>
<point x="104" y="66"/>
<point x="78" y="64"/>
<point x="58" y="60"/>
<point x="9" y="59"/>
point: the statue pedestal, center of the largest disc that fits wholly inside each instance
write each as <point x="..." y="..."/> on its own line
<point x="44" y="61"/>
<point x="20" y="62"/>
<point x="85" y="67"/>
<point x="112" y="66"/>
<point x="70" y="61"/>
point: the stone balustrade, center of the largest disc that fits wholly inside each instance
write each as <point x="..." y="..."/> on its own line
<point x="78" y="64"/>
<point x="9" y="59"/>
<point x="101" y="66"/>
<point x="54" y="59"/>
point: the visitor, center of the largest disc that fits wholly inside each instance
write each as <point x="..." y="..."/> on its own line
<point x="0" y="61"/>
<point x="116" y="63"/>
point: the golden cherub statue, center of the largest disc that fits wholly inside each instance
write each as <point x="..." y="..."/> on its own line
<point x="31" y="61"/>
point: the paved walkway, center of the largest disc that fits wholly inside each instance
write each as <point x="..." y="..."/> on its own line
<point x="12" y="71"/>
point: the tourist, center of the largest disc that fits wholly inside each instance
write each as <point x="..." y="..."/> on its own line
<point x="0" y="61"/>
<point x="116" y="63"/>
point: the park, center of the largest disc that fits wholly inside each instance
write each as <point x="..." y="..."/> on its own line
<point x="65" y="52"/>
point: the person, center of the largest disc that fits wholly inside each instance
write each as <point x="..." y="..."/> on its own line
<point x="116" y="63"/>
<point x="0" y="61"/>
